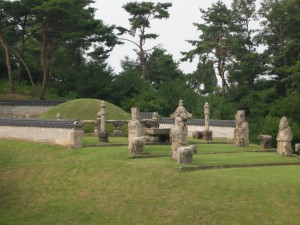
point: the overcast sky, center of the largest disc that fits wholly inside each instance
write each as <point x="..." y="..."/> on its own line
<point x="172" y="31"/>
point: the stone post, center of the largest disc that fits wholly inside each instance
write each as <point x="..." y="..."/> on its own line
<point x="206" y="114"/>
<point x="75" y="137"/>
<point x="97" y="124"/>
<point x="58" y="116"/>
<point x="207" y="135"/>
<point x="103" y="136"/>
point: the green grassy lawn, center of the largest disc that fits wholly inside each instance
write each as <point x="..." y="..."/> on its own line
<point x="94" y="140"/>
<point x="46" y="184"/>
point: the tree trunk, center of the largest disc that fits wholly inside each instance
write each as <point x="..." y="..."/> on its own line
<point x="8" y="64"/>
<point x="222" y="76"/>
<point x="142" y="59"/>
<point x="22" y="48"/>
<point x="28" y="71"/>
<point x="44" y="63"/>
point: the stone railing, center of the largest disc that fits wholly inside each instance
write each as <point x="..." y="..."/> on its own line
<point x="220" y="128"/>
<point x="62" y="132"/>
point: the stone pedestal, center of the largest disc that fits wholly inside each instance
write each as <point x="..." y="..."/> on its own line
<point x="157" y="135"/>
<point x="207" y="135"/>
<point x="103" y="137"/>
<point x="197" y="134"/>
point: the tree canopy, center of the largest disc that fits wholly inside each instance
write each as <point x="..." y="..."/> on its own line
<point x="140" y="16"/>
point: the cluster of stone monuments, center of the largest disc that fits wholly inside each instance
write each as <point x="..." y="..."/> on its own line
<point x="183" y="153"/>
<point x="180" y="151"/>
<point x="142" y="131"/>
<point x="284" y="137"/>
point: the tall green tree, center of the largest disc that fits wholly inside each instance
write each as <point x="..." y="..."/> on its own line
<point x="246" y="64"/>
<point x="128" y="84"/>
<point x="69" y="23"/>
<point x="7" y="29"/>
<point x="20" y="12"/>
<point x="214" y="40"/>
<point x="280" y="34"/>
<point x="204" y="79"/>
<point x="54" y="17"/>
<point x="141" y="15"/>
<point x="172" y="92"/>
<point x="162" y="68"/>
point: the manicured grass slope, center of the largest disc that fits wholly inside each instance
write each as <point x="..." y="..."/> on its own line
<point x="85" y="109"/>
<point x="44" y="184"/>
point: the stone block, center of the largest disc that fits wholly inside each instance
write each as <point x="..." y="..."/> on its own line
<point x="265" y="141"/>
<point x="185" y="154"/>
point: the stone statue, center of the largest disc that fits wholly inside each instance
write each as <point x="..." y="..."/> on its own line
<point x="135" y="129"/>
<point x="265" y="141"/>
<point x="178" y="134"/>
<point x="284" y="138"/>
<point x="185" y="154"/>
<point x="155" y="118"/>
<point x="241" y="131"/>
<point x="297" y="148"/>
<point x="181" y="112"/>
<point x="178" y="137"/>
<point x="138" y="145"/>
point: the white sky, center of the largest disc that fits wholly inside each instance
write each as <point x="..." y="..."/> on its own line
<point x="172" y="31"/>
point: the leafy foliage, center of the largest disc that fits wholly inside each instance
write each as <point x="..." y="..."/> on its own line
<point x="162" y="68"/>
<point x="141" y="15"/>
<point x="214" y="39"/>
<point x="204" y="79"/>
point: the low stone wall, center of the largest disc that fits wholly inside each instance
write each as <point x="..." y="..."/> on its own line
<point x="25" y="108"/>
<point x="62" y="132"/>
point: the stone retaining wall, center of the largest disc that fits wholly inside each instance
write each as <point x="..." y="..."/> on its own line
<point x="62" y="132"/>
